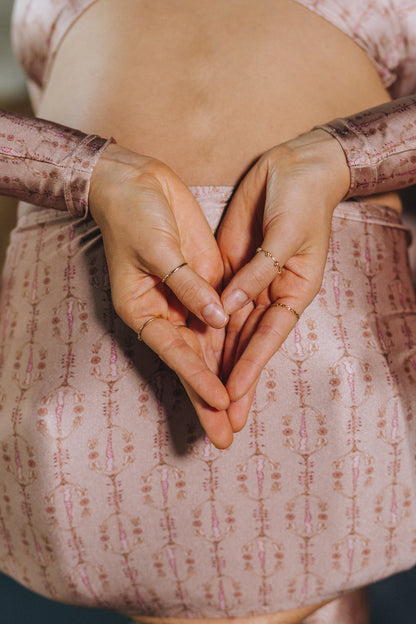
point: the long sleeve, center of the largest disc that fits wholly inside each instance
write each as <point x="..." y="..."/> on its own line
<point x="47" y="164"/>
<point x="380" y="146"/>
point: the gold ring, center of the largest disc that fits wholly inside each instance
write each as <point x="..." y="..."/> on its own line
<point x="277" y="304"/>
<point x="139" y="333"/>
<point x="173" y="271"/>
<point x="272" y="258"/>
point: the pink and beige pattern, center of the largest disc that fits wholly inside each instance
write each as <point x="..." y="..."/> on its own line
<point x="47" y="164"/>
<point x="379" y="146"/>
<point x="385" y="29"/>
<point x="38" y="27"/>
<point x="111" y="496"/>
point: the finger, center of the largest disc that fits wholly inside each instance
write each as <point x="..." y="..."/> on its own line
<point x="129" y="284"/>
<point x="197" y="240"/>
<point x="232" y="339"/>
<point x="254" y="277"/>
<point x="197" y="295"/>
<point x="241" y="229"/>
<point x="167" y="252"/>
<point x="172" y="347"/>
<point x="258" y="237"/>
<point x="239" y="410"/>
<point x="211" y="341"/>
<point x="215" y="423"/>
<point x="195" y="284"/>
<point x="270" y="333"/>
<point x="248" y="329"/>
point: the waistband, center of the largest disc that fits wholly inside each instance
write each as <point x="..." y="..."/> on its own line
<point x="214" y="200"/>
<point x="364" y="211"/>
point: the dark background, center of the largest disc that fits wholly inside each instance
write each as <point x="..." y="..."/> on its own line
<point x="392" y="601"/>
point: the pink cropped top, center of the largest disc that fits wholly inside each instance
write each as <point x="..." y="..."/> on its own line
<point x="50" y="165"/>
<point x="385" y="29"/>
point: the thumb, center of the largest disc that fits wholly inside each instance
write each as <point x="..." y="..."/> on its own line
<point x="195" y="293"/>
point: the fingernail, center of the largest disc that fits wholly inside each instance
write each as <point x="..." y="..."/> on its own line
<point x="235" y="300"/>
<point x="214" y="315"/>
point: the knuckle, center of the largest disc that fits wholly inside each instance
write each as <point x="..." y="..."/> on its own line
<point x="257" y="280"/>
<point x="213" y="272"/>
<point x="155" y="168"/>
<point x="148" y="182"/>
<point x="270" y="331"/>
<point x="198" y="372"/>
<point x="189" y="292"/>
<point x="175" y="345"/>
<point x="252" y="365"/>
<point x="283" y="152"/>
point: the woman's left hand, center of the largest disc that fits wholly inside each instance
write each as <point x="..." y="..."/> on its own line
<point x="283" y="205"/>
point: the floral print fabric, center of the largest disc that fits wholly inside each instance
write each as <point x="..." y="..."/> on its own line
<point x="379" y="146"/>
<point x="385" y="29"/>
<point x="47" y="164"/>
<point x="110" y="494"/>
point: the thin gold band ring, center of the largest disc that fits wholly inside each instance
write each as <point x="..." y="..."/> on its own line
<point x="163" y="280"/>
<point x="139" y="333"/>
<point x="278" y="304"/>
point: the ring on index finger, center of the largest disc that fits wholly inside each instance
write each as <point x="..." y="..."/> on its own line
<point x="150" y="320"/>
<point x="163" y="280"/>
<point x="275" y="261"/>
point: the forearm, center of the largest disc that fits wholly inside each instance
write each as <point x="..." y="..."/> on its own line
<point x="380" y="146"/>
<point x="47" y="164"/>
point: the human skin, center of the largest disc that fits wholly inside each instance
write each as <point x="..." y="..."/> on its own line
<point x="295" y="172"/>
<point x="207" y="89"/>
<point x="190" y="131"/>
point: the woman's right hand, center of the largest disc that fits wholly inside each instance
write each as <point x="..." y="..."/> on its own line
<point x="150" y="224"/>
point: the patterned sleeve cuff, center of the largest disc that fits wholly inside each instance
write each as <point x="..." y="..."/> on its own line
<point x="379" y="145"/>
<point x="78" y="173"/>
<point x="47" y="164"/>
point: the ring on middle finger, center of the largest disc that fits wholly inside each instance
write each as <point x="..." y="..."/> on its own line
<point x="275" y="261"/>
<point x="278" y="304"/>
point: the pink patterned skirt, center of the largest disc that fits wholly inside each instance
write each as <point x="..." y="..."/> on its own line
<point x="111" y="496"/>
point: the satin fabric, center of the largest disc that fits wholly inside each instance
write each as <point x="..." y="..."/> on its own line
<point x="385" y="29"/>
<point x="111" y="496"/>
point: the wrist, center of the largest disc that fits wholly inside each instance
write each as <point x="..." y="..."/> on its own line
<point x="100" y="176"/>
<point x="322" y="148"/>
<point x="116" y="169"/>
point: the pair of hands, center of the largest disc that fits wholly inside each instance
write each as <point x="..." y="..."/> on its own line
<point x="218" y="344"/>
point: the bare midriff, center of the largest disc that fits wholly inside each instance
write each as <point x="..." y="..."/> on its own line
<point x="207" y="86"/>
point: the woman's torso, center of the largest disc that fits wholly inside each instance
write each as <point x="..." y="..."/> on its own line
<point x="206" y="87"/>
